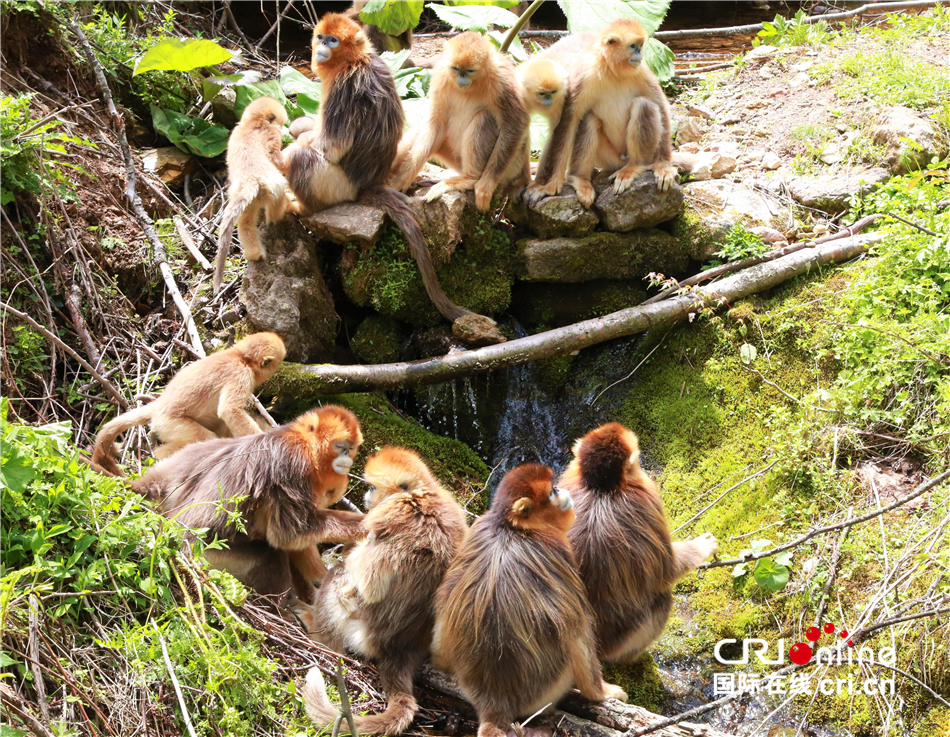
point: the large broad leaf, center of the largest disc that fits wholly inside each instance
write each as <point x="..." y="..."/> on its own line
<point x="16" y="470"/>
<point x="192" y="135"/>
<point x="392" y="16"/>
<point x="212" y="85"/>
<point x="515" y="49"/>
<point x="172" y="55"/>
<point x="244" y="96"/>
<point x="769" y="575"/>
<point x="475" y="17"/>
<point x="659" y="58"/>
<point x="593" y="15"/>
<point x="395" y="59"/>
<point x="307" y="91"/>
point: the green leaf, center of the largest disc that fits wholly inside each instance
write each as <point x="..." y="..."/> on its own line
<point x="192" y="135"/>
<point x="172" y="55"/>
<point x="496" y="3"/>
<point x="659" y="58"/>
<point x="593" y="15"/>
<point x="6" y="731"/>
<point x="392" y="17"/>
<point x="784" y="558"/>
<point x="748" y="353"/>
<point x="770" y="576"/>
<point x="740" y="570"/>
<point x="307" y="91"/>
<point x="16" y="471"/>
<point x="6" y="660"/>
<point x="245" y="95"/>
<point x="475" y="17"/>
<point x="761" y="544"/>
<point x="516" y="49"/>
<point x="395" y="59"/>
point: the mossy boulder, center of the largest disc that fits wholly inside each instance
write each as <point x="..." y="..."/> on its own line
<point x="478" y="276"/>
<point x="378" y="339"/>
<point x="554" y="305"/>
<point x="600" y="256"/>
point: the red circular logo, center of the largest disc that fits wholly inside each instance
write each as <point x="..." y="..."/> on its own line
<point x="829" y="628"/>
<point x="800" y="653"/>
<point x="813" y="633"/>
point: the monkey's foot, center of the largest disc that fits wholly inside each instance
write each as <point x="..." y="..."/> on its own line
<point x="477" y="330"/>
<point x="537" y="192"/>
<point x="436" y="192"/>
<point x="707" y="545"/>
<point x="254" y="254"/>
<point x="665" y="174"/>
<point x="614" y="692"/>
<point x="584" y="189"/>
<point x="623" y="178"/>
<point x="484" y="190"/>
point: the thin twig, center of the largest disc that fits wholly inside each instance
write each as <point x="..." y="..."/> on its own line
<point x="345" y="699"/>
<point x="189" y="243"/>
<point x="716" y="500"/>
<point x="273" y="28"/>
<point x="177" y="686"/>
<point x="34" y="645"/>
<point x="922" y="489"/>
<point x="145" y="222"/>
<point x="833" y="574"/>
<point x="103" y="382"/>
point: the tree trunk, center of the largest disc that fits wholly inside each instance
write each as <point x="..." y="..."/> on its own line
<point x="309" y="380"/>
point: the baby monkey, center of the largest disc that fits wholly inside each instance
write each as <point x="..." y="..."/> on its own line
<point x="379" y="602"/>
<point x="626" y="558"/>
<point x="255" y="168"/>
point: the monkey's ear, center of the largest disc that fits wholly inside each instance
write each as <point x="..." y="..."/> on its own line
<point x="612" y="39"/>
<point x="522" y="507"/>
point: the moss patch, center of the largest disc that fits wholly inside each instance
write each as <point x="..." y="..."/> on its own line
<point x="378" y="339"/>
<point x="386" y="278"/>
<point x="641" y="681"/>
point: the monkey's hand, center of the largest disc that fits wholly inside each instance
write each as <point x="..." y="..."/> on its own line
<point x="614" y="692"/>
<point x="665" y="174"/>
<point x="707" y="545"/>
<point x="484" y="190"/>
<point x="537" y="192"/>
<point x="584" y="189"/>
<point x="350" y="599"/>
<point x="623" y="178"/>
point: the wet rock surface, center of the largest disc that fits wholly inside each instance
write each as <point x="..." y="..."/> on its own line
<point x="285" y="293"/>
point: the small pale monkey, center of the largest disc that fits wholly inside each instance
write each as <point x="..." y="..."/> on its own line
<point x="544" y="88"/>
<point x="255" y="168"/>
<point x="477" y="124"/>
<point x="203" y="401"/>
<point x="619" y="116"/>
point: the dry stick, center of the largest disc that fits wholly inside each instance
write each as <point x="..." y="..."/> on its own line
<point x="145" y="222"/>
<point x="345" y="710"/>
<point x="519" y="24"/>
<point x="755" y="27"/>
<point x="273" y="28"/>
<point x="17" y="706"/>
<point x="335" y="379"/>
<point x="175" y="684"/>
<point x="770" y="256"/>
<point x="103" y="382"/>
<point x="922" y="489"/>
<point x="190" y="244"/>
<point x="823" y="604"/>
<point x="34" y="646"/>
<point x="920" y="683"/>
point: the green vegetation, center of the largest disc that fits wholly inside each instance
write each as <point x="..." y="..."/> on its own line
<point x="378" y="339"/>
<point x="741" y="244"/>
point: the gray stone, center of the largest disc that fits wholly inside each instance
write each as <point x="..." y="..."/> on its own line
<point x="901" y="122"/>
<point x="562" y="215"/>
<point x="715" y="206"/>
<point x="831" y="193"/>
<point x="449" y="220"/>
<point x="169" y="164"/>
<point x="477" y="330"/>
<point x="600" y="256"/>
<point x="349" y="222"/>
<point x="285" y="293"/>
<point x="222" y="107"/>
<point x="641" y="206"/>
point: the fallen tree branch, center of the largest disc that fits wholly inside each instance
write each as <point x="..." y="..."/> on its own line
<point x="833" y="574"/>
<point x="756" y="27"/>
<point x="103" y="381"/>
<point x="309" y="380"/>
<point x="920" y="490"/>
<point x="144" y="221"/>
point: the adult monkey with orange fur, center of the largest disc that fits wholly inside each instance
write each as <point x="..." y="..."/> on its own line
<point x="379" y="603"/>
<point x="203" y="401"/>
<point x="626" y="558"/>
<point x="281" y="483"/>
<point x="478" y="123"/>
<point x="257" y="181"/>
<point x="512" y="619"/>
<point x="349" y="154"/>
<point x="617" y="117"/>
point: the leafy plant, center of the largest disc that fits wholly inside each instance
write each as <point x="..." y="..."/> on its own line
<point x="768" y="573"/>
<point x="194" y="135"/>
<point x="741" y="244"/>
<point x="796" y="31"/>
<point x="172" y="54"/>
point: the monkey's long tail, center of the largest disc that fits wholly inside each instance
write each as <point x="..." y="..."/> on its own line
<point x="398" y="716"/>
<point x="397" y="206"/>
<point x="236" y="206"/>
<point x="104" y="456"/>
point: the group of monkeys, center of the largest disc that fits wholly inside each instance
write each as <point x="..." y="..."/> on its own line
<point x="605" y="108"/>
<point x="521" y="606"/>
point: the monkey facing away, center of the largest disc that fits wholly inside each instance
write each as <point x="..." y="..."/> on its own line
<point x="379" y="603"/>
<point x="624" y="552"/>
<point x="619" y="118"/>
<point x="282" y="484"/>
<point x="512" y="619"/>
<point x="257" y="181"/>
<point x="205" y="400"/>
<point x="350" y="152"/>
<point x="477" y="124"/>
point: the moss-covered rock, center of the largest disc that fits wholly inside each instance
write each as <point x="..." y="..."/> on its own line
<point x="378" y="339"/>
<point x="601" y="256"/>
<point x="640" y="680"/>
<point x="386" y="278"/>
<point x="701" y="237"/>
<point x="554" y="305"/>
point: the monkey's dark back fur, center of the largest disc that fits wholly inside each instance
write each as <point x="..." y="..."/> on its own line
<point x="513" y="638"/>
<point x="363" y="102"/>
<point x="203" y="477"/>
